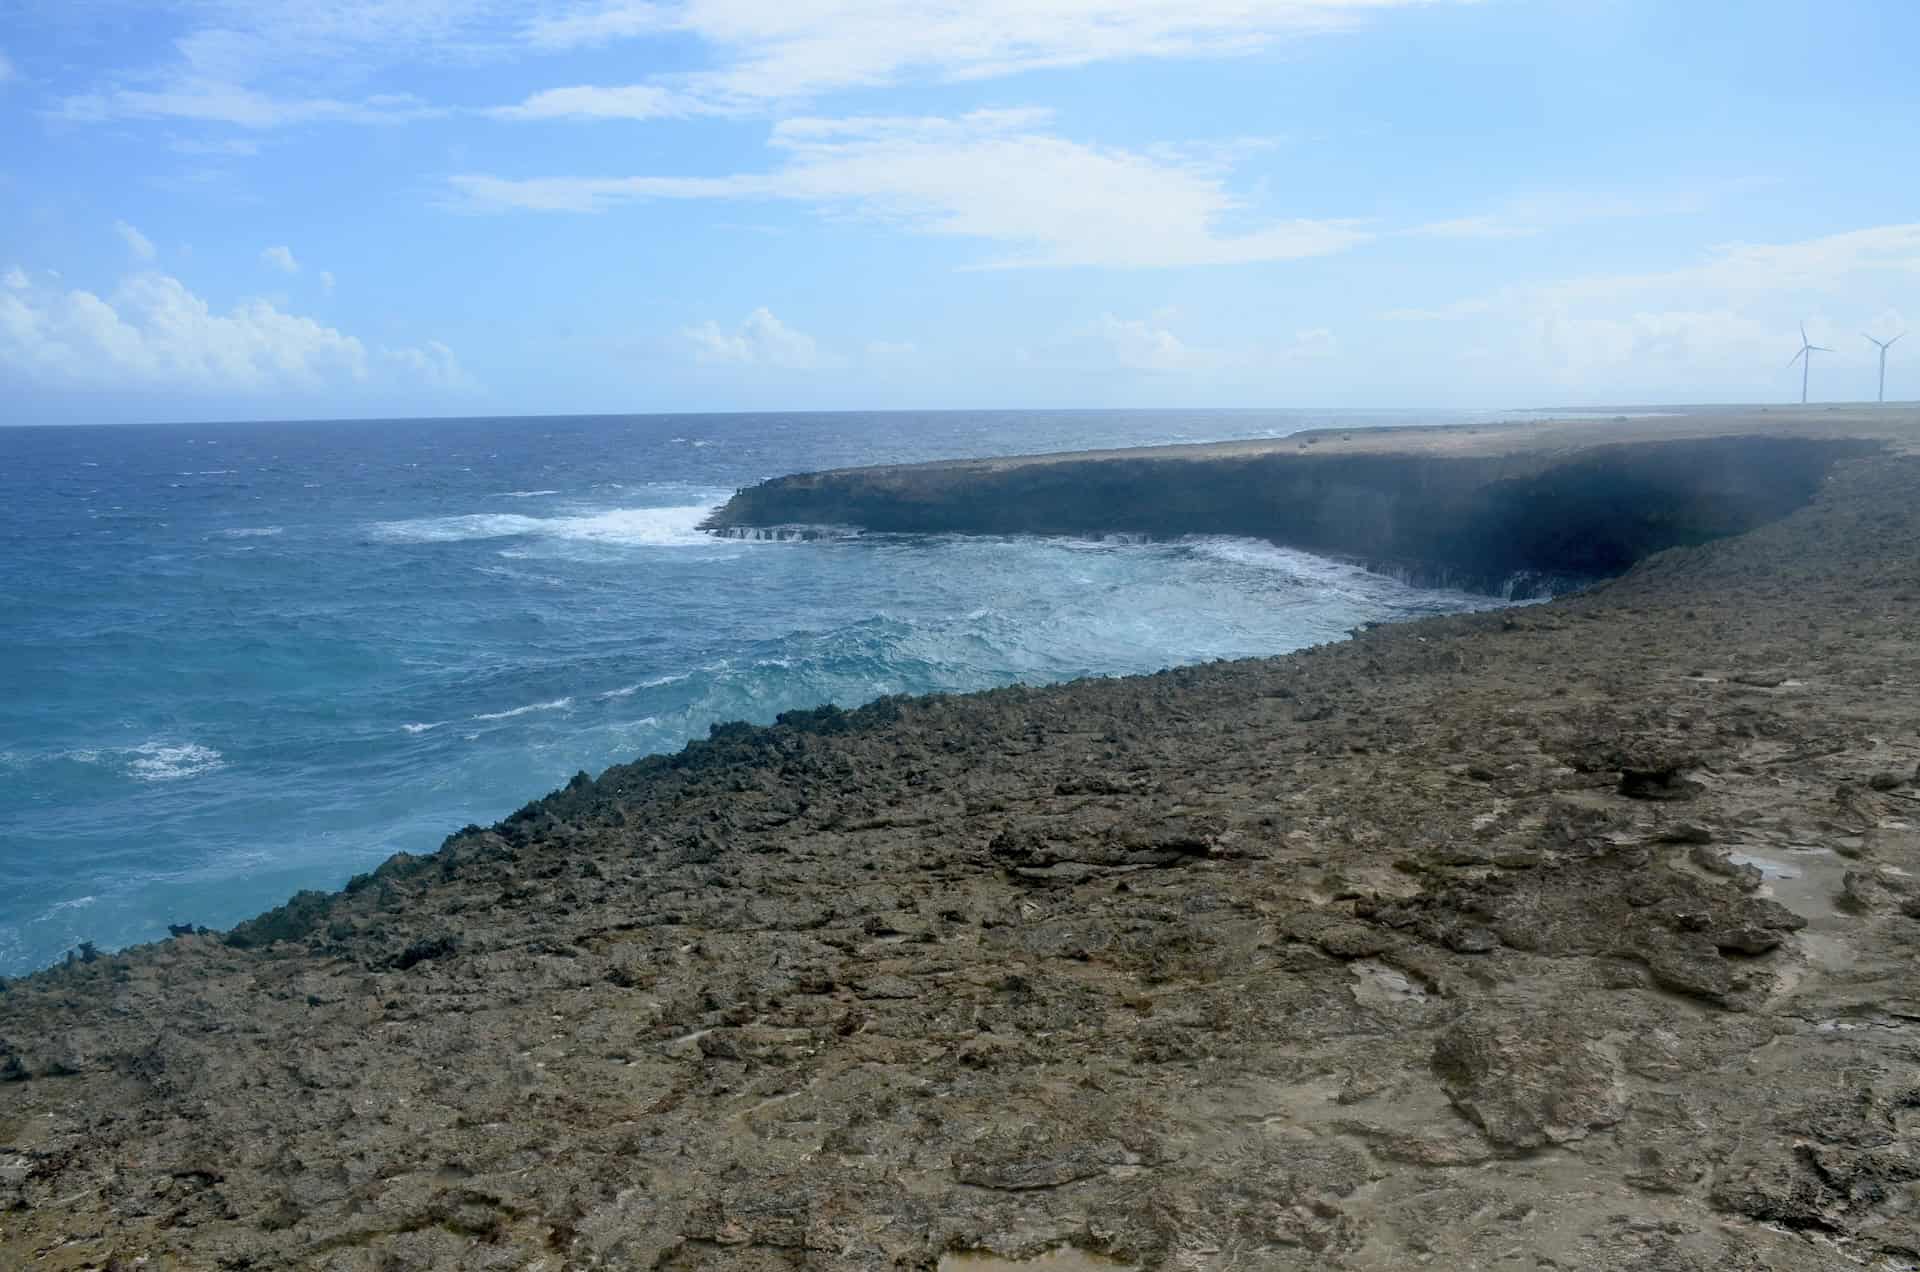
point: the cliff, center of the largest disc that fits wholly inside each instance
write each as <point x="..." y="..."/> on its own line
<point x="1502" y="510"/>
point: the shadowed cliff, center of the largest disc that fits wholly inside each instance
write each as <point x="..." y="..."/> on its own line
<point x="1516" y="523"/>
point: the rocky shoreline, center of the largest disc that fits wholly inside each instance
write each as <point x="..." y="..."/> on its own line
<point x="1574" y="936"/>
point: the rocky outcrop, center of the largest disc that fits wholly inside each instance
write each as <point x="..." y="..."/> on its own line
<point x="1519" y="523"/>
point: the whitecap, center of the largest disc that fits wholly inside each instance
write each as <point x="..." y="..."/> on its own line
<point x="629" y="690"/>
<point x="526" y="494"/>
<point x="422" y="728"/>
<point x="455" y="529"/>
<point x="626" y="527"/>
<point x="165" y="762"/>
<point x="77" y="903"/>
<point x="252" y="532"/>
<point x="558" y="704"/>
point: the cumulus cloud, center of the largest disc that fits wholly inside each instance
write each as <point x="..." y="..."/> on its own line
<point x="137" y="243"/>
<point x="155" y="333"/>
<point x="761" y="340"/>
<point x="326" y="282"/>
<point x="16" y="279"/>
<point x="991" y="175"/>
<point x="281" y="258"/>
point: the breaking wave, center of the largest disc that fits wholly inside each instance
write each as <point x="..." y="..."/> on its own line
<point x="633" y="527"/>
<point x="557" y="704"/>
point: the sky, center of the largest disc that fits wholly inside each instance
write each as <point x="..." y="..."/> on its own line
<point x="240" y="209"/>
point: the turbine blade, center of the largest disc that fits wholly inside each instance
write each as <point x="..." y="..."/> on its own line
<point x="1882" y="344"/>
<point x="1803" y="334"/>
<point x="1891" y="342"/>
<point x="1796" y="357"/>
<point x="1820" y="348"/>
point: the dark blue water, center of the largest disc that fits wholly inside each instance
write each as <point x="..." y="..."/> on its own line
<point x="236" y="661"/>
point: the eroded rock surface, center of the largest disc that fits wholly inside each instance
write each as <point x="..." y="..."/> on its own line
<point x="1371" y="957"/>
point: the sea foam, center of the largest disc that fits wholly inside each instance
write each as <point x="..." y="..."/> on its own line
<point x="167" y="761"/>
<point x="633" y="527"/>
<point x="558" y="704"/>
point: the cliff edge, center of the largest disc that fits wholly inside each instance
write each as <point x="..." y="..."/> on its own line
<point x="1511" y="509"/>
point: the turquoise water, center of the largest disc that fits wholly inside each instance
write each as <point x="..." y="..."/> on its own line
<point x="240" y="660"/>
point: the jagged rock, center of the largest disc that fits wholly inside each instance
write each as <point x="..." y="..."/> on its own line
<point x="1529" y="1080"/>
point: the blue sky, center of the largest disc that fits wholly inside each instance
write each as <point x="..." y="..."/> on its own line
<point x="320" y="208"/>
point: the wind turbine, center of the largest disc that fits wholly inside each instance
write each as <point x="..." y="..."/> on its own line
<point x="1805" y="359"/>
<point x="1884" y="346"/>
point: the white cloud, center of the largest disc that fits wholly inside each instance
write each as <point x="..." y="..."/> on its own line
<point x="326" y="282"/>
<point x="601" y="24"/>
<point x="1724" y="324"/>
<point x="154" y="333"/>
<point x="206" y="101"/>
<point x="761" y="340"/>
<point x="6" y="68"/>
<point x="989" y="175"/>
<point x="1834" y="264"/>
<point x="635" y="101"/>
<point x="783" y="49"/>
<point x="263" y="64"/>
<point x="222" y="147"/>
<point x="16" y="279"/>
<point x="891" y="348"/>
<point x="1312" y="345"/>
<point x="281" y="258"/>
<point x="1475" y="227"/>
<point x="1141" y="346"/>
<point x="1529" y="215"/>
<point x="137" y="243"/>
<point x="432" y="364"/>
<point x="273" y="63"/>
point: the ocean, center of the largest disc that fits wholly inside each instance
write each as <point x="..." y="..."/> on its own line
<point x="241" y="660"/>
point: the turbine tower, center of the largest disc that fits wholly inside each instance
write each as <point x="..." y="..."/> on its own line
<point x="1884" y="346"/>
<point x="1805" y="359"/>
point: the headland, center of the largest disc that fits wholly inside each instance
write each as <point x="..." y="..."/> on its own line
<point x="1519" y="508"/>
<point x="1574" y="935"/>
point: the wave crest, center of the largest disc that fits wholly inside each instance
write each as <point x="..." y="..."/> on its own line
<point x="629" y="527"/>
<point x="166" y="762"/>
<point x="558" y="704"/>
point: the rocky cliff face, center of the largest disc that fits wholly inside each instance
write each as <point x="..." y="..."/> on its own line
<point x="1474" y="521"/>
